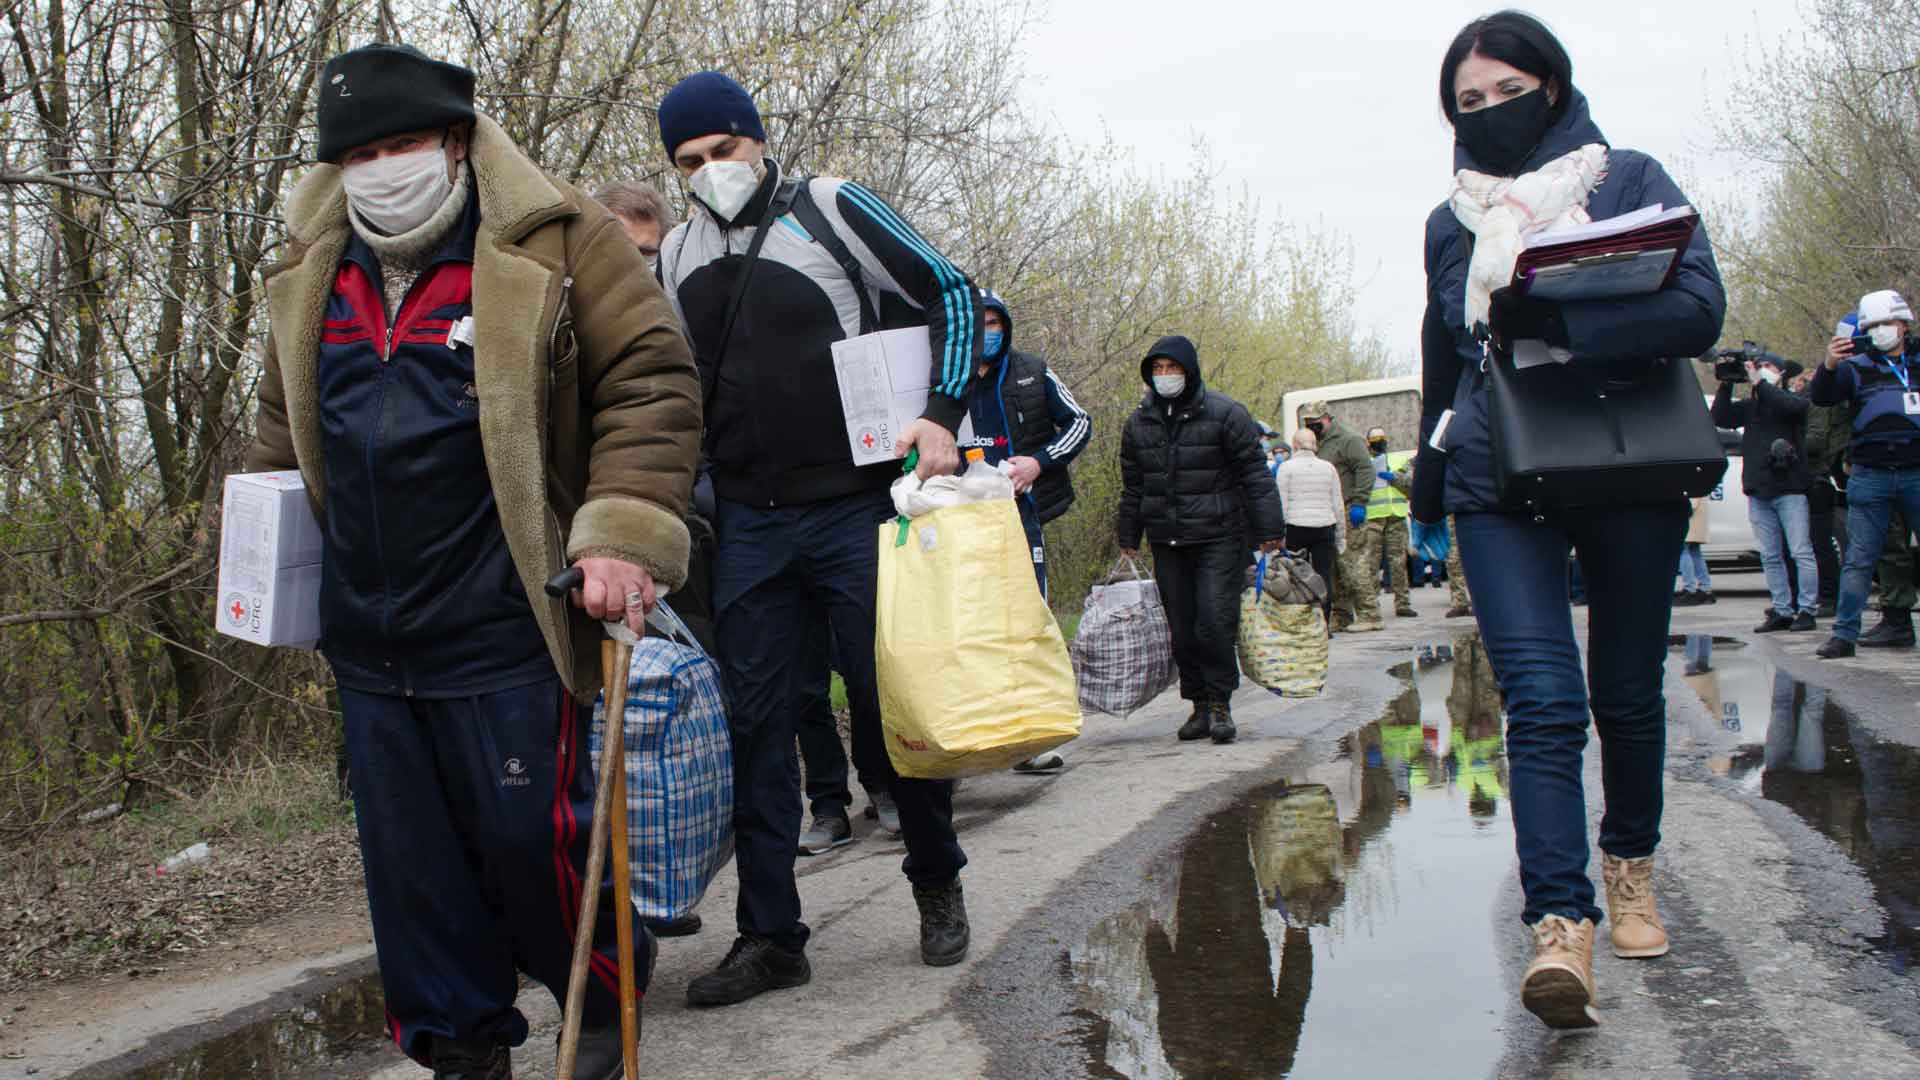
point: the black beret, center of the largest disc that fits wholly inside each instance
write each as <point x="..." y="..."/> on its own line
<point x="380" y="90"/>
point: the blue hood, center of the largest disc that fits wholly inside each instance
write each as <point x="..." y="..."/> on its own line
<point x="990" y="301"/>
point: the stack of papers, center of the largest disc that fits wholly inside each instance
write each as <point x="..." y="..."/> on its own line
<point x="884" y="381"/>
<point x="1627" y="255"/>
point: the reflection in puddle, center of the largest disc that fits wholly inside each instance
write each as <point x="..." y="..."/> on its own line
<point x="345" y="1021"/>
<point x="1789" y="743"/>
<point x="1318" y="913"/>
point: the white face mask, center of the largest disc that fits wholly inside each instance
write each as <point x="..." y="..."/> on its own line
<point x="724" y="187"/>
<point x="1169" y="386"/>
<point x="399" y="192"/>
<point x="1769" y="376"/>
<point x="1885" y="337"/>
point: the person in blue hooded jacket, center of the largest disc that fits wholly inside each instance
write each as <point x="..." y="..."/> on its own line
<point x="1528" y="155"/>
<point x="1022" y="414"/>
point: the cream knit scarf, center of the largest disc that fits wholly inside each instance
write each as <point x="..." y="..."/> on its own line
<point x="1502" y="211"/>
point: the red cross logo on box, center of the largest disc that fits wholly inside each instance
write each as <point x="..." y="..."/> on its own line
<point x="866" y="439"/>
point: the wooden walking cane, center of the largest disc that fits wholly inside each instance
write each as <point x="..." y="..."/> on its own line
<point x="609" y="819"/>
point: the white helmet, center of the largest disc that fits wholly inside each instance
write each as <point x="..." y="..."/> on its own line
<point x="1883" y="306"/>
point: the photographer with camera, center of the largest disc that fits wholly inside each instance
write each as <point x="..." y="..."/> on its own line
<point x="1773" y="423"/>
<point x="1874" y="373"/>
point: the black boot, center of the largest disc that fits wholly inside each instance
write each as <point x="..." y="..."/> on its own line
<point x="599" y="1055"/>
<point x="1834" y="649"/>
<point x="753" y="966"/>
<point x="944" y="934"/>
<point x="1223" y="730"/>
<point x="1774" y="621"/>
<point x="1895" y="631"/>
<point x="1199" y="724"/>
<point x="455" y="1060"/>
<point x="683" y="926"/>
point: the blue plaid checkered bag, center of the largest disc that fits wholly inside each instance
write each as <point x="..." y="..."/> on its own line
<point x="679" y="771"/>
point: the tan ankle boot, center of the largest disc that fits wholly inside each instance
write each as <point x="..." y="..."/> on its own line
<point x="1558" y="986"/>
<point x="1635" y="920"/>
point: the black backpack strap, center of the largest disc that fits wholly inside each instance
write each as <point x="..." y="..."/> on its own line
<point x="807" y="212"/>
<point x="781" y="202"/>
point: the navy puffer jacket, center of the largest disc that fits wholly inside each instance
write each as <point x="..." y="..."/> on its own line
<point x="1683" y="319"/>
<point x="1192" y="470"/>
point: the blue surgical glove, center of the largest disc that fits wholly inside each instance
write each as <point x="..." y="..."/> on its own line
<point x="1431" y="540"/>
<point x="1356" y="516"/>
<point x="1387" y="476"/>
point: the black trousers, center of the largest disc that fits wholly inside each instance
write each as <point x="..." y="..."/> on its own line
<point x="1821" y="522"/>
<point x="1200" y="585"/>
<point x="1318" y="544"/>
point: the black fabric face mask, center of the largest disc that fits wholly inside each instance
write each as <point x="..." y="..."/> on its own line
<point x="1501" y="136"/>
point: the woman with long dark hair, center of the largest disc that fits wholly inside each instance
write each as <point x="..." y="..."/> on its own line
<point x="1528" y="156"/>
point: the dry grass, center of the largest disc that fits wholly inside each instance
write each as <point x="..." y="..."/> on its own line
<point x="87" y="899"/>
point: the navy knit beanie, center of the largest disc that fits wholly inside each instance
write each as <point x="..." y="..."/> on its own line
<point x="707" y="103"/>
<point x="380" y="90"/>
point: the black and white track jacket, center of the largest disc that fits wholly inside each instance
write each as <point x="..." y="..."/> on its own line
<point x="776" y="432"/>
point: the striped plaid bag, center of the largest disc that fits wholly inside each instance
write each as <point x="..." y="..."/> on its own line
<point x="1123" y="651"/>
<point x="679" y="771"/>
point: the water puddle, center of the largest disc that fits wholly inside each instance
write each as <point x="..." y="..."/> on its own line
<point x="348" y="1020"/>
<point x="1321" y="918"/>
<point x="1789" y="743"/>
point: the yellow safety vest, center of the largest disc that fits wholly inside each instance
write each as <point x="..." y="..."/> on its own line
<point x="1386" y="500"/>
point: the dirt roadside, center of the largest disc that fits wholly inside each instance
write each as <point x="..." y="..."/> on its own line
<point x="52" y="1030"/>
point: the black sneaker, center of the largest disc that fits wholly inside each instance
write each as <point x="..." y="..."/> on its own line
<point x="1707" y="597"/>
<point x="598" y="1055"/>
<point x="828" y="831"/>
<point x="1894" y="631"/>
<point x="1802" y="621"/>
<point x="944" y="934"/>
<point x="1199" y="724"/>
<point x="1774" y="621"/>
<point x="1223" y="730"/>
<point x="1684" y="598"/>
<point x="684" y="926"/>
<point x="753" y="966"/>
<point x="455" y="1060"/>
<point x="1834" y="649"/>
<point x="1828" y="609"/>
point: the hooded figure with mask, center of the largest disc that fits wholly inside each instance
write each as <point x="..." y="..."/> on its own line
<point x="480" y="383"/>
<point x="766" y="274"/>
<point x="1880" y="385"/>
<point x="1195" y="483"/>
<point x="1527" y="155"/>
<point x="1023" y="415"/>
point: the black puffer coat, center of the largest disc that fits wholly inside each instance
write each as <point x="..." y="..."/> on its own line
<point x="1191" y="470"/>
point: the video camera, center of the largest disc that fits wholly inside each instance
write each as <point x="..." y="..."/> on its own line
<point x="1730" y="365"/>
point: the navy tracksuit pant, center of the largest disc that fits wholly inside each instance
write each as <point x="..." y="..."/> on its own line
<point x="474" y="815"/>
<point x="775" y="569"/>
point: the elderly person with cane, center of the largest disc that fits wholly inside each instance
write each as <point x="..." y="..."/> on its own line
<point x="470" y="366"/>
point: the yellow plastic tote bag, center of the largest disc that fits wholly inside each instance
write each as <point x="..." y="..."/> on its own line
<point x="1283" y="647"/>
<point x="974" y="675"/>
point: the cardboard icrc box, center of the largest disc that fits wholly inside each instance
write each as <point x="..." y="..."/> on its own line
<point x="269" y="561"/>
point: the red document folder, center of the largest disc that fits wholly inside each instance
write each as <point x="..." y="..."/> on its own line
<point x="1622" y="256"/>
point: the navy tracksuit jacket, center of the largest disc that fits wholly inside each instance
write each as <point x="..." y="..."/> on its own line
<point x="468" y="757"/>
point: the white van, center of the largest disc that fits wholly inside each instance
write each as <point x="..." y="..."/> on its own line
<point x="1393" y="404"/>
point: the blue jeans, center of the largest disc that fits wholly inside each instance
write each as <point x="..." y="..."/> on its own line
<point x="1872" y="496"/>
<point x="1518" y="570"/>
<point x="1693" y="569"/>
<point x="1780" y="528"/>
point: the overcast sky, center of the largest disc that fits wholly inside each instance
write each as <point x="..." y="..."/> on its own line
<point x="1330" y="111"/>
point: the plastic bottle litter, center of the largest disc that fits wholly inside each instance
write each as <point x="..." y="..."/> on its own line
<point x="185" y="857"/>
<point x="981" y="482"/>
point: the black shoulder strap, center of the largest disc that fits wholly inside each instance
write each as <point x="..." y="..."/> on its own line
<point x="781" y="202"/>
<point x="811" y="219"/>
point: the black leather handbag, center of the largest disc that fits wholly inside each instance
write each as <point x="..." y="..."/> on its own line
<point x="1573" y="435"/>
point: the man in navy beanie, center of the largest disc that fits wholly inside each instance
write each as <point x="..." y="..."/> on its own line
<point x="796" y="518"/>
<point x="480" y="383"/>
